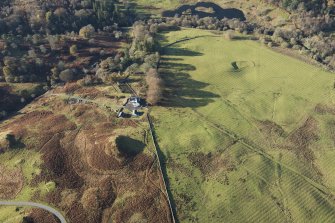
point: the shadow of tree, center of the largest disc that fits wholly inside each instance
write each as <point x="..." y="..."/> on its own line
<point x="175" y="51"/>
<point x="141" y="11"/>
<point x="237" y="38"/>
<point x="164" y="59"/>
<point x="180" y="90"/>
<point x="218" y="11"/>
<point x="179" y="66"/>
<point x="14" y="143"/>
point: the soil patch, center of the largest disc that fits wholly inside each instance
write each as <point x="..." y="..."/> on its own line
<point x="303" y="137"/>
<point x="38" y="215"/>
<point x="211" y="162"/>
<point x="324" y="109"/>
<point x="270" y="128"/>
<point x="147" y="204"/>
<point x="11" y="182"/>
<point x="331" y="130"/>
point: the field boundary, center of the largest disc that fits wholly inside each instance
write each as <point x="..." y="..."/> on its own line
<point x="151" y="128"/>
<point x="173" y="217"/>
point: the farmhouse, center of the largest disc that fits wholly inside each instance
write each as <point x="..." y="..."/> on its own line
<point x="133" y="104"/>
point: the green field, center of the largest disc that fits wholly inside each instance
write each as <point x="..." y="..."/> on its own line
<point x="249" y="145"/>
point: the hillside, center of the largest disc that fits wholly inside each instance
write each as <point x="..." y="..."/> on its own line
<point x="166" y="111"/>
<point x="81" y="159"/>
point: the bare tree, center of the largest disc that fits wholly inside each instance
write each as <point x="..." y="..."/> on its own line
<point x="154" y="92"/>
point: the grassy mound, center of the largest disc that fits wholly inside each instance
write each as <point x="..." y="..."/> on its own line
<point x="241" y="65"/>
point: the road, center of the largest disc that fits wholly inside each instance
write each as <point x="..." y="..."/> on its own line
<point x="36" y="205"/>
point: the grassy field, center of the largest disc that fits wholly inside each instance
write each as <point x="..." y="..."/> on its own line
<point x="254" y="144"/>
<point x="28" y="162"/>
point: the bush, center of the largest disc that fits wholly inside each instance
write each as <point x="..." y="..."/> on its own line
<point x="73" y="50"/>
<point x="87" y="31"/>
<point x="66" y="75"/>
<point x="6" y="71"/>
<point x="285" y="45"/>
<point x="229" y="35"/>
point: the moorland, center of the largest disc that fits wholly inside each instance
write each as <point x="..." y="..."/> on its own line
<point x="167" y="110"/>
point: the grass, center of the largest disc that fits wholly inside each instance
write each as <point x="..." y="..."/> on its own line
<point x="209" y="106"/>
<point x="9" y="214"/>
<point x="144" y="6"/>
<point x="29" y="162"/>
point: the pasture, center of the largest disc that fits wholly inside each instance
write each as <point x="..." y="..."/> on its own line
<point x="252" y="144"/>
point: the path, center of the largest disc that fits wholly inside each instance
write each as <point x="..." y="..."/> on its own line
<point x="36" y="205"/>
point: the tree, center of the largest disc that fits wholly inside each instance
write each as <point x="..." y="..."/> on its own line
<point x="73" y="50"/>
<point x="332" y="62"/>
<point x="27" y="219"/>
<point x="66" y="75"/>
<point x="87" y="31"/>
<point x="60" y="12"/>
<point x="229" y="35"/>
<point x="285" y="44"/>
<point x="55" y="72"/>
<point x="7" y="71"/>
<point x="132" y="69"/>
<point x="105" y="10"/>
<point x="48" y="16"/>
<point x="154" y="92"/>
<point x="53" y="41"/>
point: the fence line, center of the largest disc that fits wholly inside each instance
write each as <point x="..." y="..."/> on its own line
<point x="160" y="167"/>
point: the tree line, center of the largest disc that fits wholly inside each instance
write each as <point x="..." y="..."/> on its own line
<point x="311" y="35"/>
<point x="56" y="17"/>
